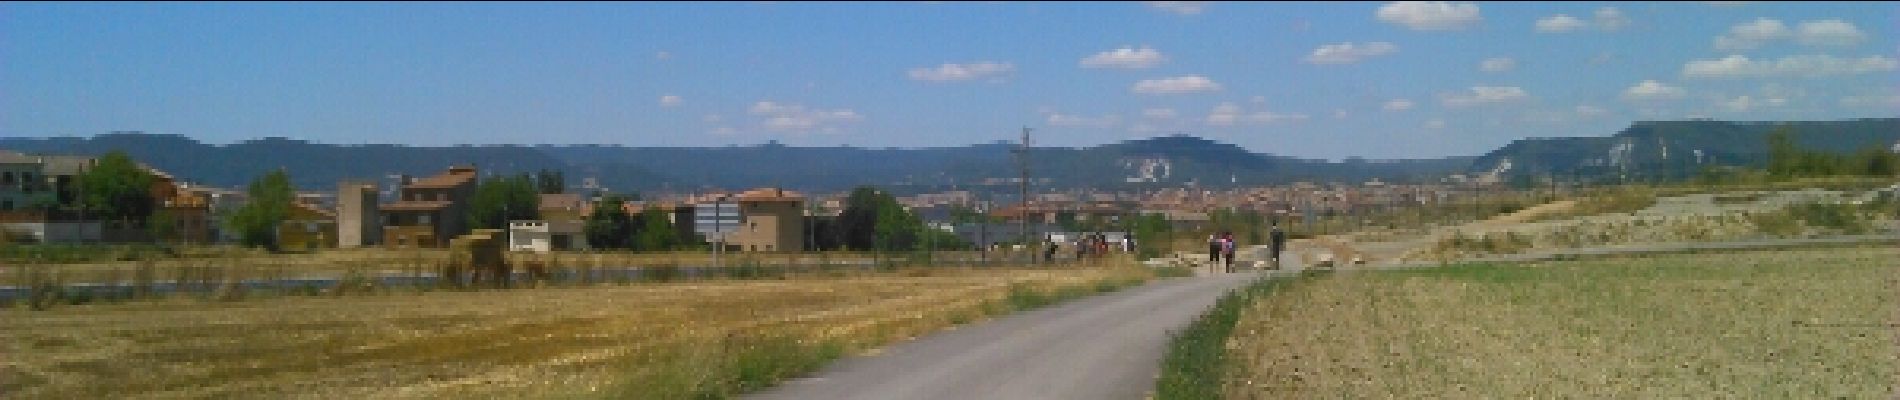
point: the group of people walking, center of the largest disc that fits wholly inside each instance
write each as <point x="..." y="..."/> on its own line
<point x="1088" y="245"/>
<point x="1221" y="247"/>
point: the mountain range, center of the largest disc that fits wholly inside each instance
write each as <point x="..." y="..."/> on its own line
<point x="1659" y="149"/>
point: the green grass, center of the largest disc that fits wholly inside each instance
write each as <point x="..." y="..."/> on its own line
<point x="1197" y="362"/>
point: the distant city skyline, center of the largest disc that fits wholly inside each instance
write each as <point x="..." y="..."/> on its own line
<point x="1312" y="80"/>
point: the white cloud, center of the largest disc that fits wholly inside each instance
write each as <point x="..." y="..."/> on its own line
<point x="1180" y="7"/>
<point x="1126" y="57"/>
<point x="1435" y="124"/>
<point x="1339" y="114"/>
<point x="723" y="131"/>
<point x="1182" y="84"/>
<point x="670" y="100"/>
<point x="1160" y="113"/>
<point x="712" y="118"/>
<point x="1747" y="103"/>
<point x="663" y="56"/>
<point x="1347" y="53"/>
<point x="1484" y="95"/>
<point x="1752" y="34"/>
<point x="1430" y="15"/>
<point x="1560" y="23"/>
<point x="798" y="118"/>
<point x="1891" y="102"/>
<point x="1398" y="105"/>
<point x="1229" y="114"/>
<point x="1810" y="66"/>
<point x="1497" y="64"/>
<point x="1611" y="19"/>
<point x="1589" y="111"/>
<point x="1608" y="19"/>
<point x="1653" y="90"/>
<point x="962" y="72"/>
<point x="1832" y="32"/>
<point x="1727" y="3"/>
<point x="1059" y="119"/>
<point x="1761" y="31"/>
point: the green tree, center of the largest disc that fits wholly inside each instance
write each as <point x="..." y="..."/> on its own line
<point x="896" y="229"/>
<point x="656" y="232"/>
<point x="498" y="200"/>
<point x="269" y="204"/>
<point x="550" y="182"/>
<point x="117" y="189"/>
<point x="857" y="224"/>
<point x="609" y="227"/>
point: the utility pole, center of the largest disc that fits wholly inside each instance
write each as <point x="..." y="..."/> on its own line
<point x="1022" y="165"/>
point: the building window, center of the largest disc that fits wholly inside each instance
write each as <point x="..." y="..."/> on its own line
<point x="6" y="178"/>
<point x="422" y="219"/>
<point x="6" y="205"/>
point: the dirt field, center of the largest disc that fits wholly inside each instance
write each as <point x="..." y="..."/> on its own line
<point x="565" y="342"/>
<point x="1781" y="324"/>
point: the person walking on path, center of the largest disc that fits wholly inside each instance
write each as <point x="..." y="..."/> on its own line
<point x="1276" y="244"/>
<point x="1227" y="250"/>
<point x="1213" y="249"/>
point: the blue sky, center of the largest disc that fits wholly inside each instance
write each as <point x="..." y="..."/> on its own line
<point x="1317" y="80"/>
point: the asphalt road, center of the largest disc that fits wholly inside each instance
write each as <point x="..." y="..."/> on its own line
<point x="1102" y="347"/>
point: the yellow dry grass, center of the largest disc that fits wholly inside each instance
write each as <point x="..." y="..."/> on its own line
<point x="513" y="343"/>
<point x="1782" y="324"/>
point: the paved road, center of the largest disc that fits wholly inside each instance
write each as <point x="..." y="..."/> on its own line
<point x="1102" y="347"/>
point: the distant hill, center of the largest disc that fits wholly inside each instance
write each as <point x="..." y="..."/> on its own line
<point x="1135" y="164"/>
<point x="312" y="166"/>
<point x="1677" y="149"/>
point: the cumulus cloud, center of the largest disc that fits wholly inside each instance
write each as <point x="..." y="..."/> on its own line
<point x="1891" y="102"/>
<point x="1560" y="23"/>
<point x="1070" y="120"/>
<point x="1611" y="19"/>
<point x="962" y="72"/>
<point x="799" y="119"/>
<point x="1126" y="57"/>
<point x="1180" y="7"/>
<point x="1430" y="15"/>
<point x="1398" y="105"/>
<point x="1589" y="111"/>
<point x="1761" y="31"/>
<point x="1160" y="113"/>
<point x="663" y="56"/>
<point x="1653" y="90"/>
<point x="1347" y="53"/>
<point x="1809" y="66"/>
<point x="1230" y="114"/>
<point x="1435" y="124"/>
<point x="1747" y="103"/>
<point x="1832" y="32"/>
<point x="1608" y="19"/>
<point x="1497" y="64"/>
<point x="1484" y="95"/>
<point x="1175" y="85"/>
<point x="1752" y="34"/>
<point x="670" y="100"/>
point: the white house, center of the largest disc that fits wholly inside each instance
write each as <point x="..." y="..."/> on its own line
<point x="545" y="235"/>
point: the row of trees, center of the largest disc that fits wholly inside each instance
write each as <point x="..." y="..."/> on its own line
<point x="612" y="227"/>
<point x="1788" y="160"/>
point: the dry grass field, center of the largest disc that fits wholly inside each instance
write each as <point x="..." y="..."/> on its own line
<point x="1770" y="324"/>
<point x="678" y="340"/>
